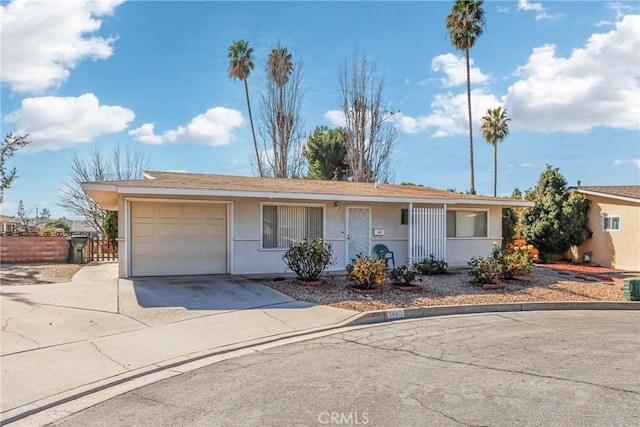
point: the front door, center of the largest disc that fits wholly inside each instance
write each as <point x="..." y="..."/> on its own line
<point x="358" y="232"/>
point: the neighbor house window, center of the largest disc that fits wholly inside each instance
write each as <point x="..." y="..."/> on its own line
<point x="611" y="223"/>
<point x="466" y="224"/>
<point x="283" y="225"/>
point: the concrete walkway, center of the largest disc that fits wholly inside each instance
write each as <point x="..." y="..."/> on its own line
<point x="62" y="341"/>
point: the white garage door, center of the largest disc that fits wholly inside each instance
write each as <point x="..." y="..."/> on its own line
<point x="178" y="239"/>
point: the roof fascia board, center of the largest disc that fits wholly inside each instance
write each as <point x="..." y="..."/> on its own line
<point x="607" y="195"/>
<point x="157" y="191"/>
<point x="305" y="196"/>
<point x="91" y="186"/>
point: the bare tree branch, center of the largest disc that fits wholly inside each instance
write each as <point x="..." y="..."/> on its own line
<point x="370" y="132"/>
<point x="280" y="120"/>
<point x="114" y="166"/>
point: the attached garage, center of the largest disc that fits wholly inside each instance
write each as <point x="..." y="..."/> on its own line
<point x="178" y="238"/>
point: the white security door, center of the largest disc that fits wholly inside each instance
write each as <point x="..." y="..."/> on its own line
<point x="358" y="232"/>
<point x="178" y="239"/>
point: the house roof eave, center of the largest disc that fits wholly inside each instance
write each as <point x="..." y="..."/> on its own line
<point x="606" y="195"/>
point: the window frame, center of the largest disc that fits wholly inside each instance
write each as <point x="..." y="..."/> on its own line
<point x="304" y="205"/>
<point x="611" y="217"/>
<point x="485" y="211"/>
<point x="404" y="216"/>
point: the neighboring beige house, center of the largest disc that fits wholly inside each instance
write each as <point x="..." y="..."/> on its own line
<point x="179" y="224"/>
<point x="9" y="223"/>
<point x="614" y="219"/>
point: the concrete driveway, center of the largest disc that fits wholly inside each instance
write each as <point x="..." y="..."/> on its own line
<point x="159" y="300"/>
<point x="62" y="341"/>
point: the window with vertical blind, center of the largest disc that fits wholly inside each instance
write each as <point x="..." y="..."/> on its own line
<point x="467" y="224"/>
<point x="283" y="225"/>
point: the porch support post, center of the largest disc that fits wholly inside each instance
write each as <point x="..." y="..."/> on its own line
<point x="444" y="245"/>
<point x="410" y="252"/>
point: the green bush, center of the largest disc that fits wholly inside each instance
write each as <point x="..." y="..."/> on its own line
<point x="517" y="261"/>
<point x="308" y="259"/>
<point x="485" y="270"/>
<point x="402" y="275"/>
<point x="367" y="272"/>
<point x="430" y="266"/>
<point x="505" y="264"/>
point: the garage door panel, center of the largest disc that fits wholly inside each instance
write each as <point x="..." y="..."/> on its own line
<point x="173" y="211"/>
<point x="218" y="212"/>
<point x="213" y="231"/>
<point x="143" y="210"/>
<point x="193" y="212"/>
<point x="192" y="230"/>
<point x="141" y="246"/>
<point x="181" y="238"/>
<point x="169" y="229"/>
<point x="143" y="229"/>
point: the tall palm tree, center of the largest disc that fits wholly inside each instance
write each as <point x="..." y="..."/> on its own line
<point x="240" y="66"/>
<point x="465" y="24"/>
<point x="495" y="128"/>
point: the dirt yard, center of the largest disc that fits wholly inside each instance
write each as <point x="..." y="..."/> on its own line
<point x="546" y="284"/>
<point x="36" y="274"/>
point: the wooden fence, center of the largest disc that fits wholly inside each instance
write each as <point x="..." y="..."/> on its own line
<point x="101" y="249"/>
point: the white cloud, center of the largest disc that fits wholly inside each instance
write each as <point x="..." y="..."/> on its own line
<point x="43" y="40"/>
<point x="54" y="122"/>
<point x="597" y="85"/>
<point x="455" y="70"/>
<point x="145" y="134"/>
<point x="526" y="165"/>
<point x="541" y="13"/>
<point x="214" y="127"/>
<point x="635" y="162"/>
<point x="335" y="117"/>
<point x="449" y="114"/>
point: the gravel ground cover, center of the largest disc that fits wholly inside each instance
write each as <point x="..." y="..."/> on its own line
<point x="36" y="274"/>
<point x="552" y="282"/>
<point x="546" y="284"/>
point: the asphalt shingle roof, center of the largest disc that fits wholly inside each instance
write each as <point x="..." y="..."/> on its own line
<point x="178" y="180"/>
<point x="631" y="191"/>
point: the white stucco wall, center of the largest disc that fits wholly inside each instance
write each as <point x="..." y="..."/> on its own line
<point x="245" y="233"/>
<point x="461" y="250"/>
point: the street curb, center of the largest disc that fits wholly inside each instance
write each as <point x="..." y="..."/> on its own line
<point x="54" y="408"/>
<point x="380" y="316"/>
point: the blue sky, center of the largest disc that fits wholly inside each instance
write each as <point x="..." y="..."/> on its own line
<point x="152" y="75"/>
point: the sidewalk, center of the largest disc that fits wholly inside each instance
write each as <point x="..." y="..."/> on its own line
<point x="62" y="341"/>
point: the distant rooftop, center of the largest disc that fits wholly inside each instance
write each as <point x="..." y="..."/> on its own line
<point x="624" y="191"/>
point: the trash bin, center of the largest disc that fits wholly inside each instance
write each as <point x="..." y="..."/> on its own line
<point x="632" y="289"/>
<point x="77" y="250"/>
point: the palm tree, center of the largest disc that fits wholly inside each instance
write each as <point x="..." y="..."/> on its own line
<point x="280" y="66"/>
<point x="495" y="128"/>
<point x="240" y="66"/>
<point x="465" y="24"/>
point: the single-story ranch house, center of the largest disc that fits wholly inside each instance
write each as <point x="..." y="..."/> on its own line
<point x="180" y="224"/>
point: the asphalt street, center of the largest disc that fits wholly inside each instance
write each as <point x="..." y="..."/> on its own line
<point x="564" y="368"/>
